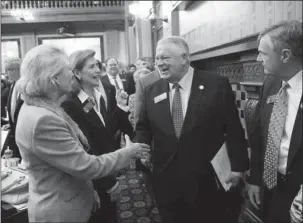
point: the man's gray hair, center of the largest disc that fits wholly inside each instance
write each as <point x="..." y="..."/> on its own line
<point x="285" y="35"/>
<point x="11" y="61"/>
<point x="40" y="65"/>
<point x="178" y="41"/>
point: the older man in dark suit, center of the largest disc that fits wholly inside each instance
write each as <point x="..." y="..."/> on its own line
<point x="189" y="114"/>
<point x="277" y="152"/>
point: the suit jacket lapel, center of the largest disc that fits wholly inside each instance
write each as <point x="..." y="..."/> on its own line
<point x="105" y="78"/>
<point x="163" y="107"/>
<point x="196" y="98"/>
<point x="91" y="116"/>
<point x="296" y="137"/>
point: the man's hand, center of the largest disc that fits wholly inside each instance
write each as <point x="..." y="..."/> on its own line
<point x="121" y="97"/>
<point x="254" y="195"/>
<point x="234" y="178"/>
<point x="115" y="194"/>
<point x="296" y="208"/>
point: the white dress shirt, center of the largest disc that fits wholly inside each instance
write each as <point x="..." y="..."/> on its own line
<point x="112" y="81"/>
<point x="294" y="96"/>
<point x="185" y="89"/>
<point x="83" y="97"/>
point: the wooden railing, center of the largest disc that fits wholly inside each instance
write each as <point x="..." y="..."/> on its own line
<point x="59" y="4"/>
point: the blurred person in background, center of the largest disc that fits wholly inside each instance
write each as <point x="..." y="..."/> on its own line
<point x="124" y="84"/>
<point x="53" y="148"/>
<point x="14" y="103"/>
<point x="100" y="124"/>
<point x="132" y="68"/>
<point x="114" y="77"/>
<point x="142" y="63"/>
<point x="4" y="97"/>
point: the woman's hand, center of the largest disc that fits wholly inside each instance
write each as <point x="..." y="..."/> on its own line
<point x="140" y="149"/>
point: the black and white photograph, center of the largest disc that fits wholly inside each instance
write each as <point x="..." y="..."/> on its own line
<point x="118" y="111"/>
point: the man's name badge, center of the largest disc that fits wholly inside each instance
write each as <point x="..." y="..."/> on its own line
<point x="160" y="97"/>
<point x="271" y="99"/>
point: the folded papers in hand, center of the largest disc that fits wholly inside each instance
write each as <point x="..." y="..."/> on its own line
<point x="221" y="165"/>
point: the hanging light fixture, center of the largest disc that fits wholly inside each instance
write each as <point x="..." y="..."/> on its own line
<point x="144" y="10"/>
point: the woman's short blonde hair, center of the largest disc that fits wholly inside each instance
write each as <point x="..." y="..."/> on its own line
<point x="77" y="61"/>
<point x="39" y="66"/>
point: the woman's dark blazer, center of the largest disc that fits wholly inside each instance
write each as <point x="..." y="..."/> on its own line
<point x="101" y="138"/>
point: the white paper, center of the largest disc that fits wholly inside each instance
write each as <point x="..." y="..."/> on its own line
<point x="221" y="164"/>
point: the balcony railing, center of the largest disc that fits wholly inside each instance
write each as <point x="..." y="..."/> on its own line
<point x="59" y="4"/>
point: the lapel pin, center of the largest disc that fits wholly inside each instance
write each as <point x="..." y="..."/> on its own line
<point x="201" y="87"/>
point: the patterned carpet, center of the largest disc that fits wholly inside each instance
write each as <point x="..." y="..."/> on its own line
<point x="134" y="205"/>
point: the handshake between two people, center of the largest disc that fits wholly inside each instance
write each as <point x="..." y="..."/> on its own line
<point x="140" y="150"/>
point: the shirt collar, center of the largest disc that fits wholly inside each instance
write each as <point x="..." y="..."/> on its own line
<point x="83" y="96"/>
<point x="186" y="80"/>
<point x="296" y="82"/>
<point x="111" y="77"/>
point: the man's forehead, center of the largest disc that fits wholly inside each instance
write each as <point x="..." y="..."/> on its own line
<point x="111" y="61"/>
<point x="168" y="48"/>
<point x="265" y="43"/>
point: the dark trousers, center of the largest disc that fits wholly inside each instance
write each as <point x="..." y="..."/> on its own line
<point x="276" y="203"/>
<point x="108" y="211"/>
<point x="201" y="202"/>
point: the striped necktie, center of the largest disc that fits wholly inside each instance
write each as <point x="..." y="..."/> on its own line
<point x="102" y="109"/>
<point x="275" y="132"/>
<point x="177" y="113"/>
<point x="116" y="83"/>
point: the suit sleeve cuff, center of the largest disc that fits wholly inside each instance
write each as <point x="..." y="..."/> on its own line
<point x="113" y="188"/>
<point x="239" y="174"/>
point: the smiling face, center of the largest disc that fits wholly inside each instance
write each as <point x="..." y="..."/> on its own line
<point x="271" y="60"/>
<point x="171" y="61"/>
<point x="112" y="67"/>
<point x="90" y="73"/>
